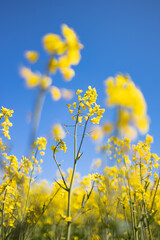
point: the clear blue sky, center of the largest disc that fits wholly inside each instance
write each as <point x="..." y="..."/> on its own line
<point x="118" y="36"/>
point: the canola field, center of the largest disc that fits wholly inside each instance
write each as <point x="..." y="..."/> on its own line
<point x="120" y="202"/>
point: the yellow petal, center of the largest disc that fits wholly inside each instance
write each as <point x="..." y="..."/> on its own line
<point x="55" y="92"/>
<point x="68" y="73"/>
<point x="31" y="56"/>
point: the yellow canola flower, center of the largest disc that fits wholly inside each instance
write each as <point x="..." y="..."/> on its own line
<point x="32" y="79"/>
<point x="5" y="113"/>
<point x="40" y="143"/>
<point x="79" y="91"/>
<point x="68" y="219"/>
<point x="107" y="128"/>
<point x="123" y="92"/>
<point x="73" y="57"/>
<point x="74" y="105"/>
<point x="68" y="73"/>
<point x="132" y="108"/>
<point x="149" y="139"/>
<point x="95" y="120"/>
<point x="55" y="92"/>
<point x="53" y="44"/>
<point x="31" y="56"/>
<point x="142" y="124"/>
<point x="58" y="131"/>
<point x="73" y="118"/>
<point x="71" y="37"/>
<point x="68" y="49"/>
<point x="80" y="119"/>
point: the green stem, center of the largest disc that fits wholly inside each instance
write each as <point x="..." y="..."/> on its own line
<point x="76" y="157"/>
<point x="30" y="180"/>
<point x="36" y="118"/>
<point x="131" y="206"/>
<point x="155" y="194"/>
<point x="71" y="183"/>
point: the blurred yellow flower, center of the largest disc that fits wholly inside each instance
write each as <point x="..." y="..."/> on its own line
<point x="55" y="92"/>
<point x="107" y="128"/>
<point x="58" y="131"/>
<point x="68" y="73"/>
<point x="53" y="44"/>
<point x="31" y="56"/>
<point x="32" y="79"/>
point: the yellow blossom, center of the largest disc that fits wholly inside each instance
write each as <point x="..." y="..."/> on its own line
<point x="32" y="79"/>
<point x="53" y="44"/>
<point x="58" y="131"/>
<point x="68" y="73"/>
<point x="55" y="92"/>
<point x="31" y="56"/>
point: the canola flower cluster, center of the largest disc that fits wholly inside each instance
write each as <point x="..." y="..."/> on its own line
<point x="123" y="202"/>
<point x="130" y="106"/>
<point x="122" y="93"/>
<point x="63" y="53"/>
<point x="88" y="103"/>
<point x="15" y="186"/>
<point x="5" y="114"/>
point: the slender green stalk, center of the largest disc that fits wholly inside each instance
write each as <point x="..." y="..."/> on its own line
<point x="76" y="157"/>
<point x="58" y="165"/>
<point x="36" y="118"/>
<point x="70" y="188"/>
<point x="155" y="194"/>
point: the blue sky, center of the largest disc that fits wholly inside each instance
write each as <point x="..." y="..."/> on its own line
<point x="118" y="36"/>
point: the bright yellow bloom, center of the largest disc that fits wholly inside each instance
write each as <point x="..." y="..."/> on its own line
<point x="68" y="219"/>
<point x="132" y="109"/>
<point x="40" y="143"/>
<point x="71" y="37"/>
<point x="73" y="118"/>
<point x="68" y="73"/>
<point x="53" y="44"/>
<point x="68" y="105"/>
<point x="108" y="128"/>
<point x="70" y="110"/>
<point x="32" y="79"/>
<point x="32" y="56"/>
<point x="79" y="119"/>
<point x="79" y="91"/>
<point x="74" y="105"/>
<point x="55" y="92"/>
<point x="5" y="113"/>
<point x="58" y="131"/>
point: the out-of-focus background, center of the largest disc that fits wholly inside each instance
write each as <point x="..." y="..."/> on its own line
<point x="118" y="37"/>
